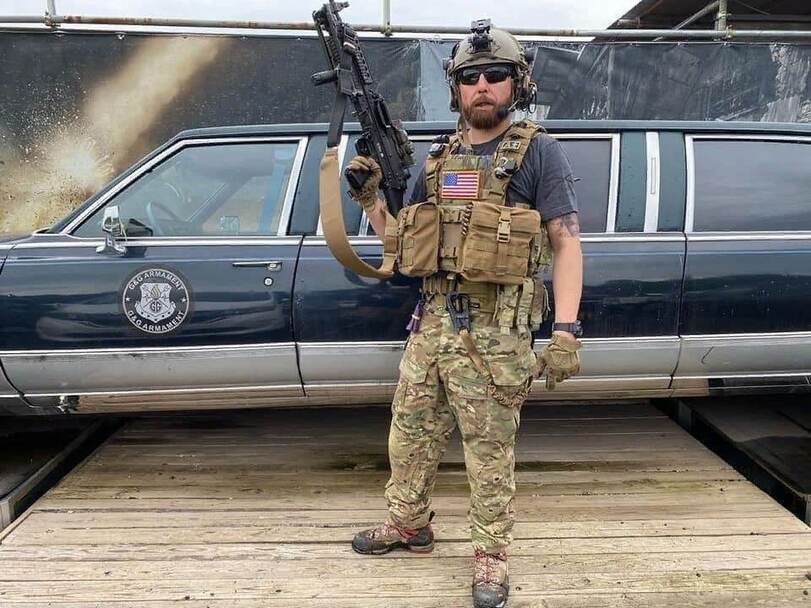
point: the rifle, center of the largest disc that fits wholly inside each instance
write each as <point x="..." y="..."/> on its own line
<point x="382" y="138"/>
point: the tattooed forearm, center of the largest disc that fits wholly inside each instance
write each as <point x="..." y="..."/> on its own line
<point x="565" y="225"/>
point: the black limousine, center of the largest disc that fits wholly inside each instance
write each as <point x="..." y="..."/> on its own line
<point x="222" y="293"/>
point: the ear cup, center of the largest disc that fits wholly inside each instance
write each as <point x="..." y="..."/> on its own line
<point x="454" y="91"/>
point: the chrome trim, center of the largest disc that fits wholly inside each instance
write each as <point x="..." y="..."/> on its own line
<point x="616" y="237"/>
<point x="399" y="344"/>
<point x="650" y="358"/>
<point x="292" y="185"/>
<point x="167" y="241"/>
<point x="347" y="385"/>
<point x="83" y="352"/>
<point x="653" y="181"/>
<point x="689" y="217"/>
<point x="735" y="337"/>
<point x="767" y="354"/>
<point x="583" y="135"/>
<point x="104" y="371"/>
<point x="745" y="375"/>
<point x="271" y="265"/>
<point x="4" y="396"/>
<point x="753" y="136"/>
<point x="173" y="391"/>
<point x="341" y="153"/>
<point x="395" y="344"/>
<point x="174" y="148"/>
<point x="632" y="340"/>
<point x="613" y="185"/>
<point x="763" y="235"/>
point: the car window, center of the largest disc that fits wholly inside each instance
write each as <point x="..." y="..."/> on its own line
<point x="591" y="164"/>
<point x="749" y="185"/>
<point x="207" y="190"/>
<point x="421" y="148"/>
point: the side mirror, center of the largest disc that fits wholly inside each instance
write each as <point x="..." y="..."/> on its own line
<point x="111" y="222"/>
<point x="113" y="229"/>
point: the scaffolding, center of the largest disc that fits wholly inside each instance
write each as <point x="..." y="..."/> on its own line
<point x="56" y="22"/>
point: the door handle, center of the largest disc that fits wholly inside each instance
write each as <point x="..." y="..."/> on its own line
<point x="271" y="265"/>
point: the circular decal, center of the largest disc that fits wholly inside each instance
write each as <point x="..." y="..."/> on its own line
<point x="156" y="300"/>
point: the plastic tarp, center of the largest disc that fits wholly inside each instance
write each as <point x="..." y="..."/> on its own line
<point x="75" y="109"/>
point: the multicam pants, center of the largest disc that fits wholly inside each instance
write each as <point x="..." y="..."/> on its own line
<point x="439" y="387"/>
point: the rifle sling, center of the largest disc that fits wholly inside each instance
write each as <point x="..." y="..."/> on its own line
<point x="332" y="223"/>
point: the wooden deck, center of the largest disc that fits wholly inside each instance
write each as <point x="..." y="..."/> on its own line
<point x="617" y="507"/>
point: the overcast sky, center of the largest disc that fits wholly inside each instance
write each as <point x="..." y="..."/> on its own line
<point x="555" y="14"/>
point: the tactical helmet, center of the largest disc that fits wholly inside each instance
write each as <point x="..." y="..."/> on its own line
<point x="487" y="44"/>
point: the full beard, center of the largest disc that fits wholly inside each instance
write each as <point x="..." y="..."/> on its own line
<point x="484" y="117"/>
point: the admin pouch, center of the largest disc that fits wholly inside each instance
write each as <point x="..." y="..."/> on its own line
<point x="418" y="228"/>
<point x="498" y="243"/>
<point x="482" y="242"/>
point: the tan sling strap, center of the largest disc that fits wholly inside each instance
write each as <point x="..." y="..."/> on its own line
<point x="332" y="222"/>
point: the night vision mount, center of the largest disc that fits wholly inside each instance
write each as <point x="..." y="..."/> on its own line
<point x="480" y="38"/>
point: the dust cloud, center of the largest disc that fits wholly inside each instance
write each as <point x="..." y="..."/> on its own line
<point x="77" y="154"/>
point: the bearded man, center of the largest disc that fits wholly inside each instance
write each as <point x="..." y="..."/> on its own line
<point x="469" y="359"/>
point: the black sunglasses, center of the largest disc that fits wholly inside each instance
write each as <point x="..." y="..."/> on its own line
<point x="492" y="74"/>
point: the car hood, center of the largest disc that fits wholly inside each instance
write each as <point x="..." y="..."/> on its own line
<point x="7" y="241"/>
<point x="9" y="238"/>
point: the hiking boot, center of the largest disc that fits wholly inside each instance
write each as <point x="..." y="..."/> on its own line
<point x="380" y="540"/>
<point x="491" y="583"/>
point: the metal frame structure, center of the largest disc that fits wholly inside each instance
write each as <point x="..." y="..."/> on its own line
<point x="54" y="22"/>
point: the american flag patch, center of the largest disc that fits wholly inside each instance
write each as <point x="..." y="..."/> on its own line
<point x="460" y="184"/>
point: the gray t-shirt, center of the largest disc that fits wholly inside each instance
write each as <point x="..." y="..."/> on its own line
<point x="545" y="177"/>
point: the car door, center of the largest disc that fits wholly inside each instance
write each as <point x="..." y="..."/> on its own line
<point x="745" y="319"/>
<point x="351" y="330"/>
<point x="197" y="310"/>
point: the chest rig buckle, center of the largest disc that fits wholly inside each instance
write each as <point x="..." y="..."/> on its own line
<point x="506" y="167"/>
<point x="503" y="230"/>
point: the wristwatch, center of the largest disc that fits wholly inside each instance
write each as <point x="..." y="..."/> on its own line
<point x="576" y="328"/>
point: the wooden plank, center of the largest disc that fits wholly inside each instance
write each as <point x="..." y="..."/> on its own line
<point x="518" y="599"/>
<point x="399" y="583"/>
<point x="665" y="494"/>
<point x="538" y="548"/>
<point x="135" y="474"/>
<point x="448" y="530"/>
<point x="529" y="497"/>
<point x="658" y="424"/>
<point x="530" y="483"/>
<point x="623" y="564"/>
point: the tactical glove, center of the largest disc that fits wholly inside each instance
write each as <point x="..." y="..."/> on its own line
<point x="366" y="195"/>
<point x="559" y="360"/>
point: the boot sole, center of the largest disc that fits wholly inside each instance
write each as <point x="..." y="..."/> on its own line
<point x="383" y="551"/>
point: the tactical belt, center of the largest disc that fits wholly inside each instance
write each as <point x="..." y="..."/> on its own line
<point x="483" y="296"/>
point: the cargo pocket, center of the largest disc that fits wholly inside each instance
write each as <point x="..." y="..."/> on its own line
<point x="508" y="356"/>
<point x="467" y="391"/>
<point x="412" y="372"/>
